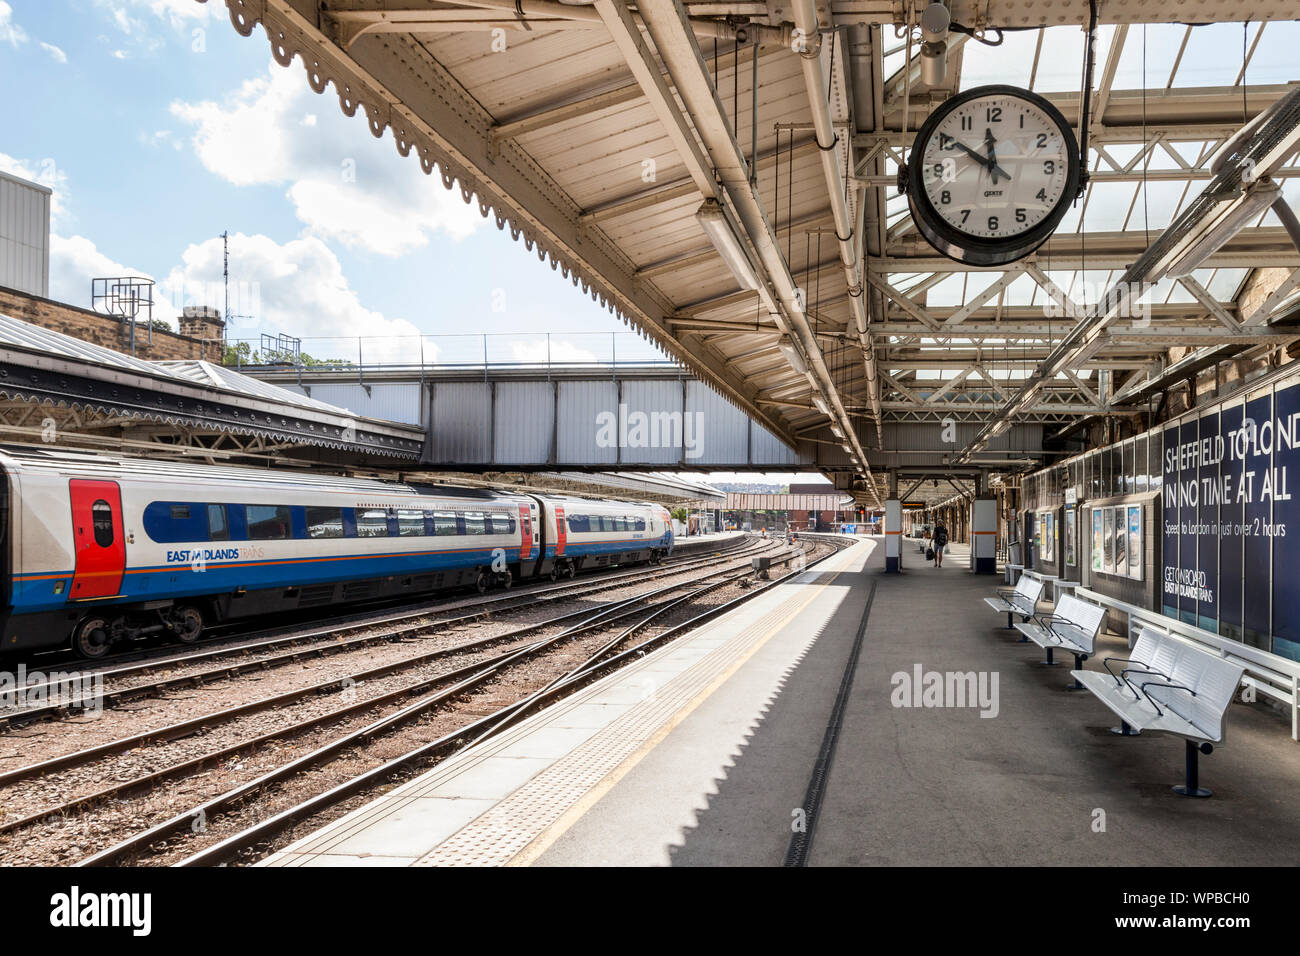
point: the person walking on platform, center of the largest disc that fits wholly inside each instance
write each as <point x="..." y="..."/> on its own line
<point x="939" y="542"/>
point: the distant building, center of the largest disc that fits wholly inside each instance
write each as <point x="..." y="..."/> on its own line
<point x="24" y="235"/>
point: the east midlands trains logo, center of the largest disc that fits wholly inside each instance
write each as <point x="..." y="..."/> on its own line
<point x="198" y="558"/>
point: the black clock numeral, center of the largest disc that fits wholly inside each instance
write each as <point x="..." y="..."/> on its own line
<point x="1042" y="138"/>
<point x="993" y="114"/>
<point x="965" y="214"/>
<point x="938" y="170"/>
<point x="1049" y="167"/>
<point x="945" y="197"/>
<point x="993" y="223"/>
<point x="966" y="122"/>
<point x="1020" y="215"/>
<point x="1022" y="120"/>
<point x="1041" y="195"/>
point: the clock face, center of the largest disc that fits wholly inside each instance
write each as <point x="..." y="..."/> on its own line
<point x="995" y="169"/>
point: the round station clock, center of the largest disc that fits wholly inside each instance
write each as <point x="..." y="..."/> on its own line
<point x="991" y="173"/>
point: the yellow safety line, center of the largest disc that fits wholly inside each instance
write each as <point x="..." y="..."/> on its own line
<point x="544" y="840"/>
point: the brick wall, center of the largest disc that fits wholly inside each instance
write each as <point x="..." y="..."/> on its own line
<point x="106" y="330"/>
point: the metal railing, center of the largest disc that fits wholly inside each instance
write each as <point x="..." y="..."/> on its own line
<point x="499" y="350"/>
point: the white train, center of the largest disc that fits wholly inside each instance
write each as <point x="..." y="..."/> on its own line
<point x="100" y="549"/>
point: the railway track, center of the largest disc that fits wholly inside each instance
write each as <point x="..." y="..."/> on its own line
<point x="600" y="626"/>
<point x="299" y="643"/>
<point x="242" y="635"/>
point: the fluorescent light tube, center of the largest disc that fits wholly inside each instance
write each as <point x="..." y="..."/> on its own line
<point x="1202" y="243"/>
<point x="794" y="358"/>
<point x="714" y="223"/>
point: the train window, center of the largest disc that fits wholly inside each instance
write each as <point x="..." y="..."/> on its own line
<point x="502" y="524"/>
<point x="267" y="522"/>
<point x="410" y="524"/>
<point x="324" y="522"/>
<point x="372" y="523"/>
<point x="180" y="511"/>
<point x="640" y="524"/>
<point x="444" y="523"/>
<point x="579" y="524"/>
<point x="218" y="527"/>
<point x="475" y="523"/>
<point x="606" y="523"/>
<point x="101" y="522"/>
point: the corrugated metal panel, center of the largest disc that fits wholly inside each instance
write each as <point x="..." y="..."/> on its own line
<point x="587" y="429"/>
<point x="724" y="427"/>
<point x="655" y="431"/>
<point x="524" y="424"/>
<point x="766" y="449"/>
<point x="391" y="401"/>
<point x="461" y="423"/>
<point x="24" y="236"/>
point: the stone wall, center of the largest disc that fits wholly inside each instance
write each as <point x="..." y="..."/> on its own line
<point x="110" y="332"/>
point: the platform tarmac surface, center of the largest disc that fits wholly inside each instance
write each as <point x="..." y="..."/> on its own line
<point x="723" y="780"/>
<point x="918" y="786"/>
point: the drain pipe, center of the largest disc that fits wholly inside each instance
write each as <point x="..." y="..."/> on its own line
<point x="805" y="16"/>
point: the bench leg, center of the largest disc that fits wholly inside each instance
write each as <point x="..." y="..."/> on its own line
<point x="1050" y="660"/>
<point x="1192" y="788"/>
<point x="1124" y="730"/>
<point x="1023" y="639"/>
<point x="1078" y="666"/>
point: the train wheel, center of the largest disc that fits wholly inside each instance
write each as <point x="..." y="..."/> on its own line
<point x="92" y="638"/>
<point x="188" y="624"/>
<point x="507" y="580"/>
<point x="554" y="574"/>
<point x="482" y="582"/>
<point x="570" y="571"/>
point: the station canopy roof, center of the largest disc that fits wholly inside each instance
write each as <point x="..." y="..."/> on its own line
<point x="601" y="134"/>
<point x="59" y="371"/>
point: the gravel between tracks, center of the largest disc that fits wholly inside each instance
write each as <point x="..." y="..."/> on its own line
<point x="67" y="839"/>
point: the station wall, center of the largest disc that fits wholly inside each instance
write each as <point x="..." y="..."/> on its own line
<point x="104" y="330"/>
<point x="1217" y="493"/>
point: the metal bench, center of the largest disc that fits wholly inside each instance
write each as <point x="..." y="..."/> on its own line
<point x="1022" y="599"/>
<point x="1073" y="625"/>
<point x="1168" y="686"/>
<point x="1013" y="572"/>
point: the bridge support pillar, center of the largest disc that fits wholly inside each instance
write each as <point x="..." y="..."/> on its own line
<point x="984" y="536"/>
<point x="893" y="535"/>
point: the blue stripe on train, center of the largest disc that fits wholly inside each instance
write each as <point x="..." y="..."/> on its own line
<point x="183" y="581"/>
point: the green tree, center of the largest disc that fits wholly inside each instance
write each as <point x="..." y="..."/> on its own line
<point x="681" y="514"/>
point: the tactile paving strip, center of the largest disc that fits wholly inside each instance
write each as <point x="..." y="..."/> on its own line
<point x="443" y="817"/>
<point x="500" y="834"/>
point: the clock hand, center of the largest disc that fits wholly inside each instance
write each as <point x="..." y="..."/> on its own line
<point x="984" y="161"/>
<point x="989" y="142"/>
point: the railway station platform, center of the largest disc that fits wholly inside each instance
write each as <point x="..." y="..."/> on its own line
<point x="703" y="752"/>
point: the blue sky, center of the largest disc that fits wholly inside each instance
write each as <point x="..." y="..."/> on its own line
<point x="159" y="127"/>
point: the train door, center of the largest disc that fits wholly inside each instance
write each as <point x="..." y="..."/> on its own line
<point x="525" y="533"/>
<point x="98" y="539"/>
<point x="560" y="530"/>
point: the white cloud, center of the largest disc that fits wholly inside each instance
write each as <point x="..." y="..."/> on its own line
<point x="297" y="288"/>
<point x="57" y="55"/>
<point x="75" y="261"/>
<point x="10" y="32"/>
<point x="344" y="185"/>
